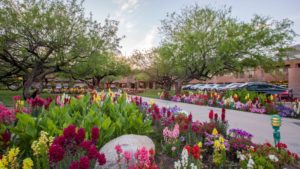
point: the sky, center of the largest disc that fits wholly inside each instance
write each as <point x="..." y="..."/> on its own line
<point x="140" y="19"/>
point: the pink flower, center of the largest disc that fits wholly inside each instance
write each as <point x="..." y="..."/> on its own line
<point x="17" y="98"/>
<point x="84" y="163"/>
<point x="127" y="156"/>
<point x="6" y="116"/>
<point x="56" y="153"/>
<point x="142" y="155"/>
<point x="118" y="149"/>
<point x="211" y="114"/>
<point x="95" y="134"/>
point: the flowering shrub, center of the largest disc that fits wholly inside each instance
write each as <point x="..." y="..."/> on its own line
<point x="241" y="100"/>
<point x="73" y="151"/>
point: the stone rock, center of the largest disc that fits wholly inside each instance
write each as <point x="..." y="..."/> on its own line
<point x="129" y="143"/>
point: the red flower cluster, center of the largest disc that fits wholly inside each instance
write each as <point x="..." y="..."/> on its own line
<point x="281" y="145"/>
<point x="72" y="143"/>
<point x="196" y="152"/>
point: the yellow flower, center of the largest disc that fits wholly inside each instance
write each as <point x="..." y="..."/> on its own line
<point x="12" y="154"/>
<point x="27" y="163"/>
<point x="235" y="96"/>
<point x="217" y="144"/>
<point x="271" y="97"/>
<point x="3" y="162"/>
<point x="215" y="132"/>
<point x="221" y="139"/>
<point x="200" y="144"/>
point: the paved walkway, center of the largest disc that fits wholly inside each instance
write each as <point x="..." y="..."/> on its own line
<point x="257" y="124"/>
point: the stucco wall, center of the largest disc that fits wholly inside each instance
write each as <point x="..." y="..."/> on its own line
<point x="294" y="80"/>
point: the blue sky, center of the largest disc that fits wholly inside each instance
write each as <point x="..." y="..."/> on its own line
<point x="139" y="19"/>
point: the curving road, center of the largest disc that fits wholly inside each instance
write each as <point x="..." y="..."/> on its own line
<point x="257" y="124"/>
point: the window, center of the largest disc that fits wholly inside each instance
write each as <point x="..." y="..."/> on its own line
<point x="298" y="64"/>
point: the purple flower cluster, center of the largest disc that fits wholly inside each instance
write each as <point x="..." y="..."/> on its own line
<point x="239" y="133"/>
<point x="284" y="111"/>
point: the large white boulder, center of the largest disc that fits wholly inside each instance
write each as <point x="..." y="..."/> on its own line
<point x="129" y="143"/>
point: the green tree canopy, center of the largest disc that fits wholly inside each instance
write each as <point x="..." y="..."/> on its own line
<point x="204" y="42"/>
<point x="41" y="37"/>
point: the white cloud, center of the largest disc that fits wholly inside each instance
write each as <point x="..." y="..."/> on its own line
<point x="150" y="40"/>
<point x="129" y="27"/>
<point x="129" y="5"/>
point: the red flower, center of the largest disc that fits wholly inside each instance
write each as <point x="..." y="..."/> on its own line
<point x="70" y="132"/>
<point x="216" y="116"/>
<point x="86" y="145"/>
<point x="295" y="156"/>
<point x="6" y="136"/>
<point x="190" y="118"/>
<point x="223" y="114"/>
<point x="188" y="148"/>
<point x="60" y="140"/>
<point x="80" y="136"/>
<point x="84" y="163"/>
<point x="268" y="144"/>
<point x="101" y="159"/>
<point x="56" y="153"/>
<point x="196" y="151"/>
<point x="211" y="114"/>
<point x="152" y="152"/>
<point x="95" y="134"/>
<point x="92" y="152"/>
<point x="281" y="145"/>
<point x="74" y="165"/>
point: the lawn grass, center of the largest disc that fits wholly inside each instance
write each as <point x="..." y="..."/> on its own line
<point x="153" y="93"/>
<point x="6" y="96"/>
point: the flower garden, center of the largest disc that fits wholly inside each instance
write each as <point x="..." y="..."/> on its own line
<point x="68" y="133"/>
<point x="241" y="100"/>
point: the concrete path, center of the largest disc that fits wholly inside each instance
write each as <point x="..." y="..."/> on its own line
<point x="257" y="124"/>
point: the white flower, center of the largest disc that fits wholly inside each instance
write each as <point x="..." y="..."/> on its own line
<point x="177" y="165"/>
<point x="193" y="166"/>
<point x="273" y="158"/>
<point x="184" y="158"/>
<point x="250" y="164"/>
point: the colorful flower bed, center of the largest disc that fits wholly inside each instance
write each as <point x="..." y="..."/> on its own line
<point x="242" y="100"/>
<point x="68" y="132"/>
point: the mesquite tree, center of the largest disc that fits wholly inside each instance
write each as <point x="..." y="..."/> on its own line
<point x="205" y="42"/>
<point x="41" y="37"/>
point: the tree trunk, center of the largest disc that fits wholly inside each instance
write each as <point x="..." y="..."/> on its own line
<point x="178" y="86"/>
<point x="27" y="84"/>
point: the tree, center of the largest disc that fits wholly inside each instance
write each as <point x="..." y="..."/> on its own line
<point x="156" y="64"/>
<point x="203" y="42"/>
<point x="39" y="37"/>
<point x="100" y="66"/>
